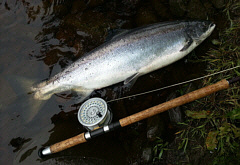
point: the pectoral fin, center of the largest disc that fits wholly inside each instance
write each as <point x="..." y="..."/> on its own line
<point x="132" y="79"/>
<point x="187" y="44"/>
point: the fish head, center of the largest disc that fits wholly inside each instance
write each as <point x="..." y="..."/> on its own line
<point x="200" y="30"/>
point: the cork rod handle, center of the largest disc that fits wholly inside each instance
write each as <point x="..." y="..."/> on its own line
<point x="68" y="143"/>
<point x="223" y="84"/>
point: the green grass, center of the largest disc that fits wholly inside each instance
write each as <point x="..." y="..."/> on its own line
<point x="215" y="119"/>
<point x="159" y="149"/>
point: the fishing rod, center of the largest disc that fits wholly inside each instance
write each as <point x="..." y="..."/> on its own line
<point x="94" y="114"/>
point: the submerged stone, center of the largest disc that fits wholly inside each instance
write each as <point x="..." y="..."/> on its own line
<point x="147" y="155"/>
<point x="178" y="7"/>
<point x="155" y="127"/>
<point x="175" y="114"/>
<point x="145" y="16"/>
<point x="219" y="3"/>
<point x="78" y="6"/>
<point x="161" y="9"/>
<point x="196" y="10"/>
<point x="94" y="3"/>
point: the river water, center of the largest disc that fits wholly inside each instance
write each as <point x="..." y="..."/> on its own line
<point x="39" y="38"/>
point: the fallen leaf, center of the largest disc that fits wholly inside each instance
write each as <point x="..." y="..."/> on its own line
<point x="211" y="140"/>
<point x="197" y="114"/>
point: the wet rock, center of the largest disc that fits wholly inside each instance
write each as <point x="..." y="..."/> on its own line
<point x="18" y="142"/>
<point x="145" y="16"/>
<point x="119" y="9"/>
<point x="52" y="57"/>
<point x="210" y="10"/>
<point x="175" y="155"/>
<point x="131" y="2"/>
<point x="134" y="144"/>
<point x="151" y="133"/>
<point x="147" y="155"/>
<point x="65" y="35"/>
<point x="94" y="3"/>
<point x="78" y="6"/>
<point x="61" y="10"/>
<point x="95" y="24"/>
<point x="155" y="127"/>
<point x="178" y="7"/>
<point x="161" y="9"/>
<point x="196" y="10"/>
<point x="33" y="9"/>
<point x="219" y="3"/>
<point x="175" y="114"/>
<point x="80" y="31"/>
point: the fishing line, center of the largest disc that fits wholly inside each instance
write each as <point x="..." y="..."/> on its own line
<point x="143" y="93"/>
<point x="173" y="85"/>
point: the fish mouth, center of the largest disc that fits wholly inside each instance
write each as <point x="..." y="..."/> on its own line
<point x="209" y="31"/>
<point x="211" y="26"/>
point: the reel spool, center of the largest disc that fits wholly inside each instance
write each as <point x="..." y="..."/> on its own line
<point x="94" y="113"/>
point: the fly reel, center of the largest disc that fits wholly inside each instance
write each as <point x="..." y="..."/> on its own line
<point x="94" y="113"/>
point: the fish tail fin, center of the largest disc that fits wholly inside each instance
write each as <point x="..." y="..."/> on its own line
<point x="31" y="108"/>
<point x="41" y="92"/>
<point x="25" y="103"/>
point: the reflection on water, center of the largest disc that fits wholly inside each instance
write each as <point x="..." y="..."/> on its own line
<point x="39" y="38"/>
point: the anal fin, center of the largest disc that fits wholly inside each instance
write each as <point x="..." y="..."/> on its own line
<point x="115" y="33"/>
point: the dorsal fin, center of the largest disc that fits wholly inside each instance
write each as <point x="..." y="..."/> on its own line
<point x="115" y="33"/>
